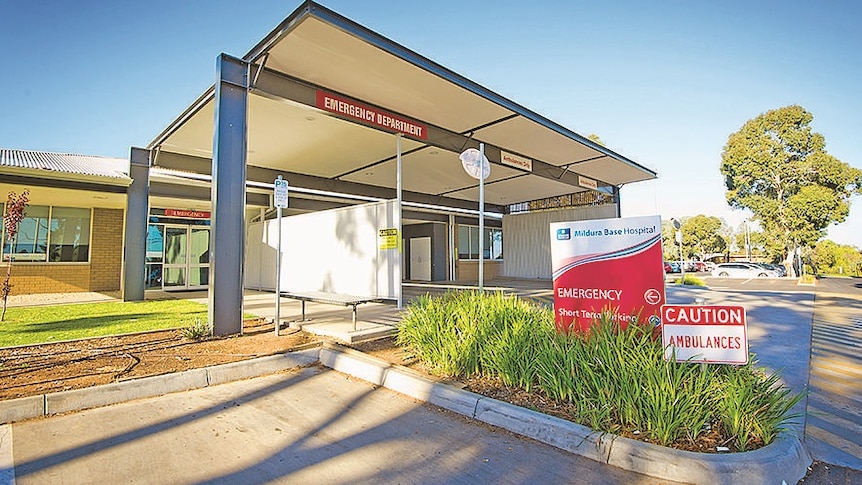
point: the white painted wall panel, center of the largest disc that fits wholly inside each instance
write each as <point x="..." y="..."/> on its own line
<point x="335" y="251"/>
<point x="526" y="240"/>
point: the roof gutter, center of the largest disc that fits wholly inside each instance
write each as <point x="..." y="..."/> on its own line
<point x="39" y="173"/>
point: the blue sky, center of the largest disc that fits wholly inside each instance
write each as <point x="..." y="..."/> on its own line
<point x="663" y="83"/>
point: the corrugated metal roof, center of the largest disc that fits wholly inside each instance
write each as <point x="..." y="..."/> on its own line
<point x="87" y="165"/>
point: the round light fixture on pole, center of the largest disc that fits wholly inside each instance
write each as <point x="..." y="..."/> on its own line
<point x="476" y="165"/>
<point x="678" y="226"/>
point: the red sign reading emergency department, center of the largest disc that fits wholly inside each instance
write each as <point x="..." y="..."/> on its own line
<point x="367" y="114"/>
<point x="607" y="265"/>
<point x="192" y="214"/>
<point x="704" y="333"/>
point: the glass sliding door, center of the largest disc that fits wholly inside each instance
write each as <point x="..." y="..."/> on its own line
<point x="199" y="257"/>
<point x="175" y="273"/>
<point x="155" y="256"/>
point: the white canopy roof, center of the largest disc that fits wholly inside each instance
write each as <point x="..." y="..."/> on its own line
<point x="316" y="52"/>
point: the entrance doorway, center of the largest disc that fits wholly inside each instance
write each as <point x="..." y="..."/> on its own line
<point x="420" y="259"/>
<point x="178" y="257"/>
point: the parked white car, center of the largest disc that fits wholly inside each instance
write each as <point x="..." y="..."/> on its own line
<point x="742" y="270"/>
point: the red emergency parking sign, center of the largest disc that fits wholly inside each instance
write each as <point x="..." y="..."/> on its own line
<point x="705" y="333"/>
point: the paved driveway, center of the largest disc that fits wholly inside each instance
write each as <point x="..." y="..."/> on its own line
<point x="833" y="431"/>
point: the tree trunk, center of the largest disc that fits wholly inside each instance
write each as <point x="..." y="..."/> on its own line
<point x="790" y="263"/>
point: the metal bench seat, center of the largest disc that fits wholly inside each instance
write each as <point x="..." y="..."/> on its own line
<point x="330" y="299"/>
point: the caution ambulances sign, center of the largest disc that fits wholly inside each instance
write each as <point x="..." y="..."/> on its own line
<point x="705" y="333"/>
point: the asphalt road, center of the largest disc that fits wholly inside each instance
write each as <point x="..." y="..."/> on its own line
<point x="812" y="335"/>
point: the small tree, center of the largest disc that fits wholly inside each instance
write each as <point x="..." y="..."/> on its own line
<point x="701" y="236"/>
<point x="15" y="212"/>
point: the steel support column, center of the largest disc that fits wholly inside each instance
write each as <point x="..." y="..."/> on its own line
<point x="135" y="237"/>
<point x="227" y="242"/>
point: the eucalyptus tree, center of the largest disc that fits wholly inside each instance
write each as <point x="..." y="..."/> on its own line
<point x="777" y="167"/>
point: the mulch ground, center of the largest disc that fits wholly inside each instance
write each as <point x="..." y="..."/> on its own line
<point x="41" y="369"/>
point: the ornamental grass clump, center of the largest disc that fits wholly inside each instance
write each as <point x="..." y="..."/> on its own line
<point x="473" y="333"/>
<point x="611" y="379"/>
<point x="753" y="407"/>
<point x="618" y="381"/>
<point x="512" y="349"/>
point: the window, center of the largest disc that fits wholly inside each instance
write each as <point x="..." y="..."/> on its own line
<point x="70" y="235"/>
<point x="468" y="243"/>
<point x="53" y="234"/>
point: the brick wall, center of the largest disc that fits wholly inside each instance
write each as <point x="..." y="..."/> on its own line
<point x="106" y="250"/>
<point x="466" y="270"/>
<point x="30" y="278"/>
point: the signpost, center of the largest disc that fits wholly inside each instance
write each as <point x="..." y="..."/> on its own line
<point x="705" y="334"/>
<point x="280" y="201"/>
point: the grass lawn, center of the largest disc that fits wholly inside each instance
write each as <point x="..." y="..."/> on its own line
<point x="41" y="324"/>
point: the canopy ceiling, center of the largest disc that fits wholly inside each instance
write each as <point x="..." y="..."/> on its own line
<point x="318" y="51"/>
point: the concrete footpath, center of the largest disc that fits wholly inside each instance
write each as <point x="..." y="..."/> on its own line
<point x="307" y="425"/>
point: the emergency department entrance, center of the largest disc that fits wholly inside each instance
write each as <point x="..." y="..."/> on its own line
<point x="178" y="250"/>
<point x="335" y="108"/>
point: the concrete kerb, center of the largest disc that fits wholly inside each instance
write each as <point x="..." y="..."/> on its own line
<point x="784" y="460"/>
<point x="74" y="400"/>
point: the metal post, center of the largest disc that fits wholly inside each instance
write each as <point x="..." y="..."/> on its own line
<point x="453" y="248"/>
<point x="678" y="226"/>
<point x="279" y="197"/>
<point x="481" y="215"/>
<point x="400" y="255"/>
<point x="681" y="261"/>
<point x="137" y="212"/>
<point x="278" y="273"/>
<point x="230" y="143"/>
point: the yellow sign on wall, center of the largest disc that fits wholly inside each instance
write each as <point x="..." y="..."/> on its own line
<point x="388" y="238"/>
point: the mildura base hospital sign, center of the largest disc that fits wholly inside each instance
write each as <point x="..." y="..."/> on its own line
<point x="607" y="265"/>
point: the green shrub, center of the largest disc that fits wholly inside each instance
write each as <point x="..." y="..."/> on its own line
<point x="462" y="333"/>
<point x="808" y="279"/>
<point x="752" y="406"/>
<point x="690" y="280"/>
<point x="512" y="351"/>
<point x="199" y="329"/>
<point x="615" y="380"/>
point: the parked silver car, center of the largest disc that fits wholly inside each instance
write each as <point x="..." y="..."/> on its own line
<point x="742" y="270"/>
